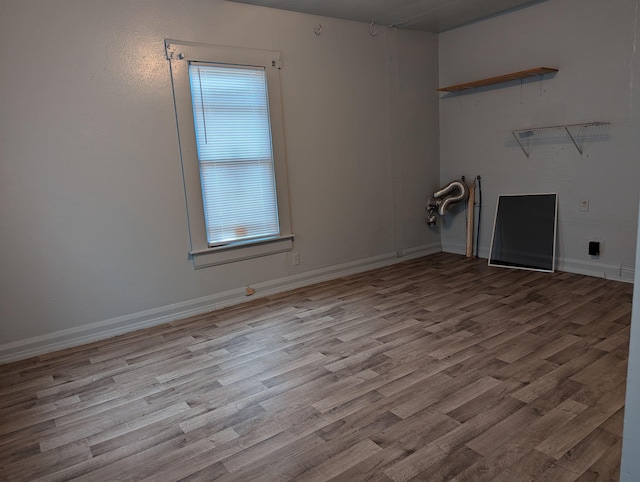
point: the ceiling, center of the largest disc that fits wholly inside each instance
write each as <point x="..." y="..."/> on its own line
<point x="428" y="15"/>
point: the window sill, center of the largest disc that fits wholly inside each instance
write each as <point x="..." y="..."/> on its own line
<point x="241" y="251"/>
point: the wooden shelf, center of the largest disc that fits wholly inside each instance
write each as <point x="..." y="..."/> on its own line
<point x="523" y="74"/>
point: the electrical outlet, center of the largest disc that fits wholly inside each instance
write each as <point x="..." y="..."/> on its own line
<point x="586" y="245"/>
<point x="584" y="205"/>
<point x="295" y="259"/>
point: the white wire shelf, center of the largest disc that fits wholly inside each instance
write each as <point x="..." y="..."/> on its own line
<point x="570" y="129"/>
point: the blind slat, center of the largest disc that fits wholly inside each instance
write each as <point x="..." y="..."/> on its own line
<point x="233" y="137"/>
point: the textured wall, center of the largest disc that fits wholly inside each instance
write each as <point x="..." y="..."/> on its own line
<point x="92" y="211"/>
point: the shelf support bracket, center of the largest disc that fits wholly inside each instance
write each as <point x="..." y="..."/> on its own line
<point x="573" y="139"/>
<point x="520" y="143"/>
<point x="518" y="134"/>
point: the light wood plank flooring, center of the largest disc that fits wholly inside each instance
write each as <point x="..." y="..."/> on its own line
<point x="434" y="369"/>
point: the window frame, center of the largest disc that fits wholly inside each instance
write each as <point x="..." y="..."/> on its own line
<point x="180" y="54"/>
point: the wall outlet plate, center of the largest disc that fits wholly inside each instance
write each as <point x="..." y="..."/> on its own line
<point x="584" y="205"/>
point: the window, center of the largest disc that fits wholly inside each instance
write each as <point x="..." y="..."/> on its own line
<point x="231" y="143"/>
<point x="233" y="137"/>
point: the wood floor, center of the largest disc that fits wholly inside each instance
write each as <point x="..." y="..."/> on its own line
<point x="434" y="369"/>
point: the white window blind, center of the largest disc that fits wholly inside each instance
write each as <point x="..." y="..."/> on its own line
<point x="233" y="138"/>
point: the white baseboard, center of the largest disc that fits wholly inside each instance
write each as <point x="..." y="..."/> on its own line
<point x="38" y="345"/>
<point x="616" y="272"/>
<point x="596" y="269"/>
<point x="457" y="248"/>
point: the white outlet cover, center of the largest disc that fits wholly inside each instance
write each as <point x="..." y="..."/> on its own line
<point x="584" y="205"/>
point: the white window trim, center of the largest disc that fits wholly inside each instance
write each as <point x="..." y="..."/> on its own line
<point x="179" y="55"/>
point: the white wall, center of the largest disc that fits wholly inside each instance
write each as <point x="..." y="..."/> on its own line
<point x="93" y="231"/>
<point x="630" y="465"/>
<point x="593" y="43"/>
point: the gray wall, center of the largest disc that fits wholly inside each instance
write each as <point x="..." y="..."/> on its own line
<point x="630" y="468"/>
<point x="593" y="43"/>
<point x="92" y="212"/>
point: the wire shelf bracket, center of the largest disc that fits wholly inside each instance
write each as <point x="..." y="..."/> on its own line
<point x="519" y="134"/>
